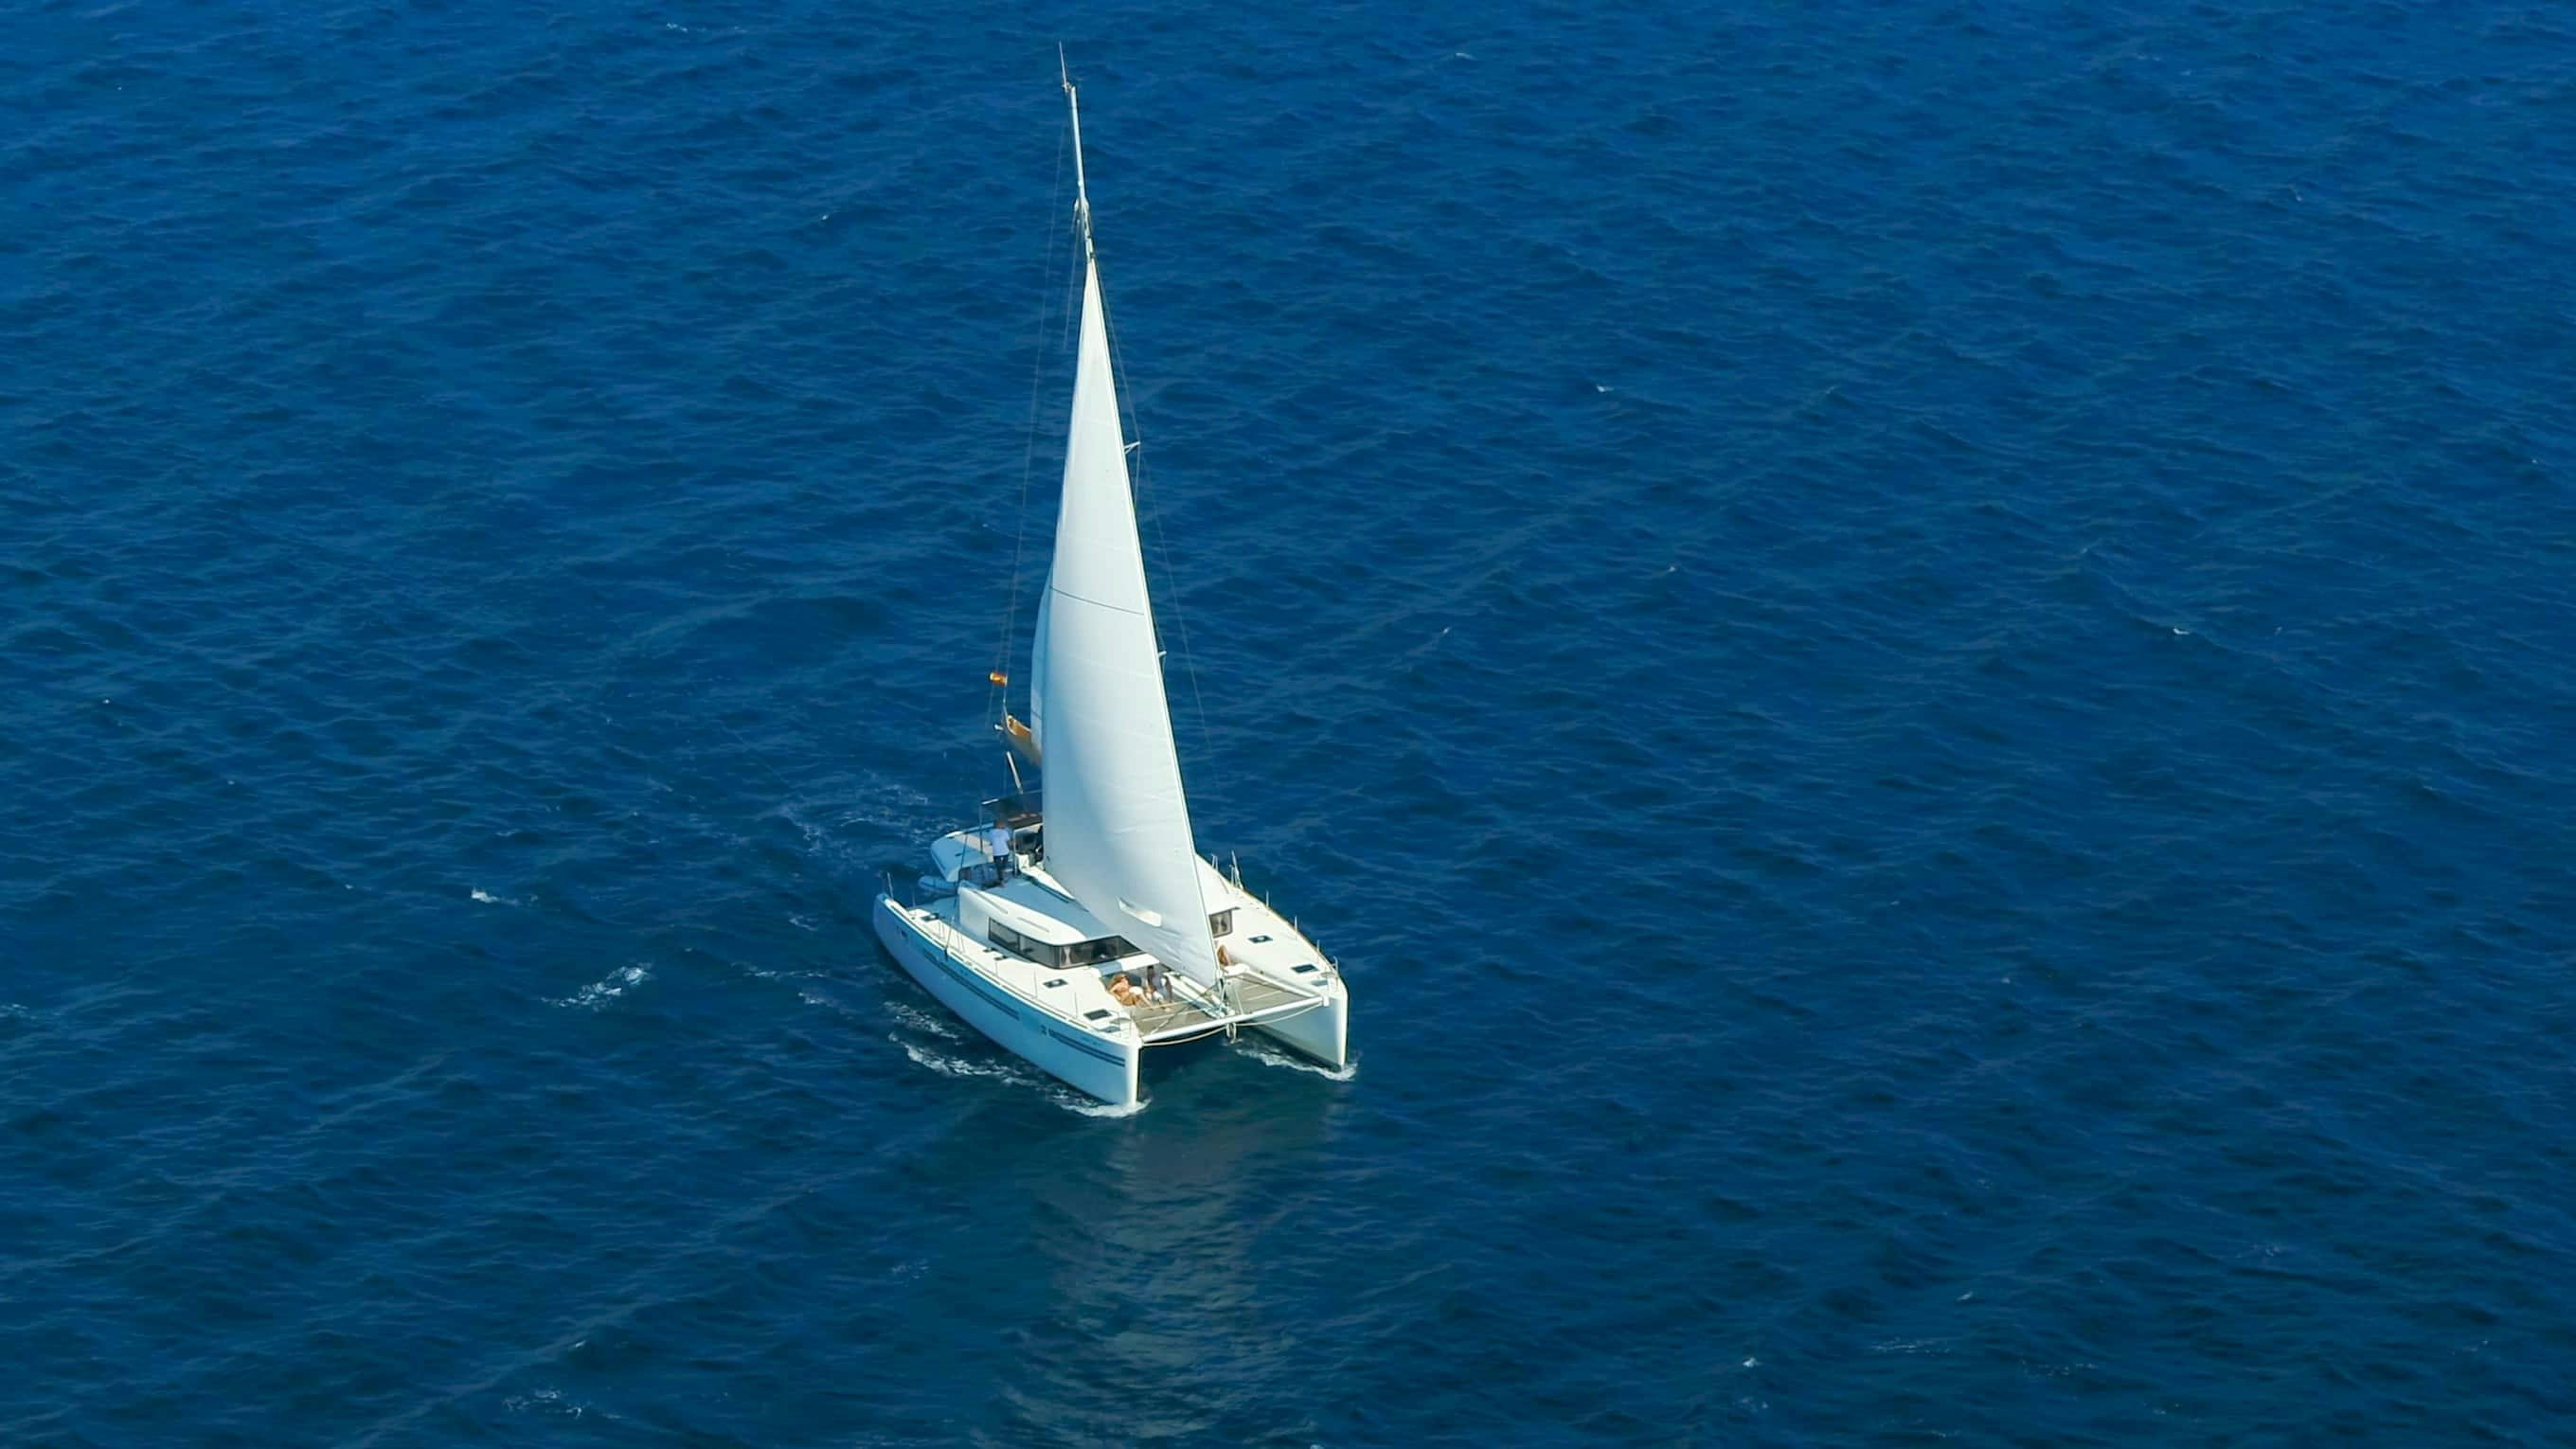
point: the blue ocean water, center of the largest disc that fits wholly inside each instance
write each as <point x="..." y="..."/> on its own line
<point x="1919" y="658"/>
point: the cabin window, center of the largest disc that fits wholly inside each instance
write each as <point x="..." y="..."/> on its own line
<point x="1019" y="945"/>
<point x="1302" y="970"/>
<point x="1092" y="953"/>
<point x="1222" y="923"/>
<point x="1260" y="940"/>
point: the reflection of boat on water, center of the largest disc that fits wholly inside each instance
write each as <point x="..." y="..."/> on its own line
<point x="1084" y="931"/>
<point x="1077" y="1271"/>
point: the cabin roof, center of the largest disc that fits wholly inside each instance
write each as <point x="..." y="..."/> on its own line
<point x="1038" y="913"/>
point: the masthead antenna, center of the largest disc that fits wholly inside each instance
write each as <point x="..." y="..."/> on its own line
<point x="1081" y="193"/>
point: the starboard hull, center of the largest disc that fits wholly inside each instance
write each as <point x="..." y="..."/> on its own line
<point x="1089" y="1064"/>
<point x="1323" y="1033"/>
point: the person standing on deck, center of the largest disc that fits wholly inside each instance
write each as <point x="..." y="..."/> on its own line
<point x="997" y="843"/>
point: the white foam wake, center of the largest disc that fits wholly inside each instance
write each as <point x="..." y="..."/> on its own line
<point x="949" y="1066"/>
<point x="1048" y="1087"/>
<point x="1073" y="1101"/>
<point x="1268" y="1055"/>
<point x="920" y="1020"/>
<point x="489" y="899"/>
<point x="545" y="1401"/>
<point x="607" y="988"/>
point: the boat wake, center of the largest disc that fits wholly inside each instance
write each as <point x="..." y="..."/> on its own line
<point x="607" y="988"/>
<point x="922" y="1021"/>
<point x="1073" y="1101"/>
<point x="1268" y="1055"/>
<point x="949" y="1066"/>
<point x="1055" y="1092"/>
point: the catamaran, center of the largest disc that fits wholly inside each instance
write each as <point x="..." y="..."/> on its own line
<point x="1077" y="925"/>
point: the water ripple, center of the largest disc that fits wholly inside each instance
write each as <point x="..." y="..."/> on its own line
<point x="1918" y="660"/>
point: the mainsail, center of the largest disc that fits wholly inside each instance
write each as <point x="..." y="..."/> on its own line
<point x="1117" y="822"/>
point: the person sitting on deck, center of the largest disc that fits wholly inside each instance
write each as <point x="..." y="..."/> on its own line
<point x="1155" y="986"/>
<point x="1125" y="990"/>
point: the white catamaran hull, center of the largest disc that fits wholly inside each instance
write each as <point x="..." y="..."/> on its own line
<point x="1323" y="1033"/>
<point x="1088" y="1063"/>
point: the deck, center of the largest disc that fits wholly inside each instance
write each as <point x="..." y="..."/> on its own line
<point x="1164" y="1022"/>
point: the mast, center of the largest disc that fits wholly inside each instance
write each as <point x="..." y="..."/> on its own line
<point x="1028" y="739"/>
<point x="1081" y="193"/>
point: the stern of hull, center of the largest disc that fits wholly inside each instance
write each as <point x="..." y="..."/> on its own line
<point x="1323" y="1034"/>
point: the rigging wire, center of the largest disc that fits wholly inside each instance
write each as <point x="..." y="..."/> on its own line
<point x="997" y="698"/>
<point x="1162" y="547"/>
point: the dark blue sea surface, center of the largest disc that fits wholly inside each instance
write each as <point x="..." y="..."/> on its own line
<point x="1920" y="657"/>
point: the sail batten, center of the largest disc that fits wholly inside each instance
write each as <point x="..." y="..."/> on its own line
<point x="1117" y="819"/>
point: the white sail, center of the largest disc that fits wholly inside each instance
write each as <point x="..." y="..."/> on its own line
<point x="1117" y="823"/>
<point x="1037" y="676"/>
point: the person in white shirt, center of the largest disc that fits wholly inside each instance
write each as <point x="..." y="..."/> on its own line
<point x="997" y="843"/>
